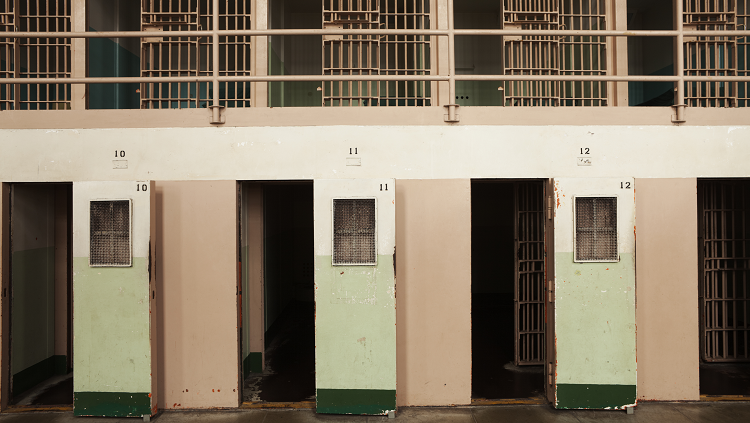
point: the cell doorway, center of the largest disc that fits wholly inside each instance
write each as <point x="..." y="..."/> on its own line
<point x="724" y="282"/>
<point x="40" y="296"/>
<point x="278" y="309"/>
<point x="507" y="284"/>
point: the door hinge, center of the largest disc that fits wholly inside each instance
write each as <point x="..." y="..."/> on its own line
<point x="550" y="292"/>
<point x="549" y="207"/>
<point x="549" y="373"/>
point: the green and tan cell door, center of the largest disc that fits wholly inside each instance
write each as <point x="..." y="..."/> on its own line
<point x="355" y="298"/>
<point x="592" y="361"/>
<point x="113" y="285"/>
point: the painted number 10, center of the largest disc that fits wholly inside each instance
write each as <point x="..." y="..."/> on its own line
<point x="119" y="153"/>
<point x="141" y="187"/>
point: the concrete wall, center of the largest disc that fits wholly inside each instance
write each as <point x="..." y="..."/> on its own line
<point x="400" y="152"/>
<point x="197" y="281"/>
<point x="667" y="289"/>
<point x="33" y="285"/>
<point x="63" y="277"/>
<point x="253" y="326"/>
<point x="433" y="284"/>
<point x="4" y="299"/>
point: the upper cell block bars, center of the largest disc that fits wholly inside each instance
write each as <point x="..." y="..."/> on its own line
<point x="716" y="56"/>
<point x="374" y="54"/>
<point x="35" y="57"/>
<point x="191" y="56"/>
<point x="552" y="55"/>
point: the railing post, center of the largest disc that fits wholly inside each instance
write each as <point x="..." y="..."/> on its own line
<point x="679" y="47"/>
<point x="216" y="117"/>
<point x="78" y="53"/>
<point x="452" y="116"/>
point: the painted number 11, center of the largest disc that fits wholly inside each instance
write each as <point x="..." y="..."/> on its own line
<point x="386" y="187"/>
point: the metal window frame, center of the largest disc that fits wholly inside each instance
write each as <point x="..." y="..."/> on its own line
<point x="130" y="231"/>
<point x="333" y="232"/>
<point x="575" y="234"/>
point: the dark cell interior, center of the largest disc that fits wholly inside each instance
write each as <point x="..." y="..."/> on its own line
<point x="494" y="374"/>
<point x="289" y="374"/>
<point x="41" y="279"/>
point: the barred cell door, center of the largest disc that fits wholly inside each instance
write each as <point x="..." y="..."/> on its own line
<point x="724" y="242"/>
<point x="529" y="268"/>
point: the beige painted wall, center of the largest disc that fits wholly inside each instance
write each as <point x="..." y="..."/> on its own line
<point x="433" y="292"/>
<point x="667" y="289"/>
<point x="4" y="300"/>
<point x="197" y="294"/>
<point x="62" y="269"/>
<point x="252" y="228"/>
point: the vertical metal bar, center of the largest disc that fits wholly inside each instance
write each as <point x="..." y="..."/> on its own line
<point x="680" y="61"/>
<point x="452" y="61"/>
<point x="215" y="60"/>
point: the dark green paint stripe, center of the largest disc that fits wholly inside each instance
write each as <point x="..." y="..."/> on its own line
<point x="253" y="363"/>
<point x="355" y="401"/>
<point x="112" y="404"/>
<point x="33" y="375"/>
<point x="595" y="396"/>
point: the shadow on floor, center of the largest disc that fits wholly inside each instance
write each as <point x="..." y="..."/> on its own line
<point x="494" y="376"/>
<point x="57" y="390"/>
<point x="289" y="375"/>
<point x="725" y="378"/>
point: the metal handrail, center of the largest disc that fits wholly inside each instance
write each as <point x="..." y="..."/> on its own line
<point x="216" y="77"/>
<point x="335" y="31"/>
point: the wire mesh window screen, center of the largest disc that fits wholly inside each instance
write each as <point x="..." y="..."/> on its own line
<point x="191" y="56"/>
<point x="35" y="57"/>
<point x="354" y="231"/>
<point x="596" y="229"/>
<point x="110" y="234"/>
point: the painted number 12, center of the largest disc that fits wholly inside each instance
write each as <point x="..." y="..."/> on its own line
<point x="624" y="185"/>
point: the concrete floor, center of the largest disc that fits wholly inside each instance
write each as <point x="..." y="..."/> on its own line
<point x="720" y="412"/>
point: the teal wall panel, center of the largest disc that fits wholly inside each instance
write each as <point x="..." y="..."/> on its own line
<point x="110" y="59"/>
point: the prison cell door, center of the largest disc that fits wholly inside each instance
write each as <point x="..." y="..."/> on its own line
<point x="594" y="293"/>
<point x="113" y="284"/>
<point x="355" y="299"/>
<point x="724" y="230"/>
<point x="529" y="268"/>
